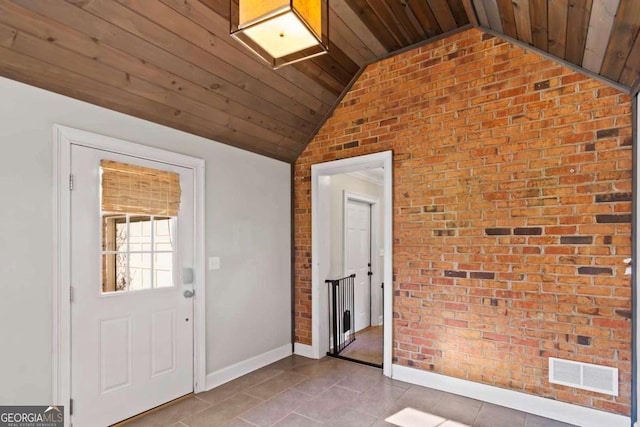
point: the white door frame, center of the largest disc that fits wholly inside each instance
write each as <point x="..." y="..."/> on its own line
<point x="374" y="205"/>
<point x="63" y="138"/>
<point x="320" y="259"/>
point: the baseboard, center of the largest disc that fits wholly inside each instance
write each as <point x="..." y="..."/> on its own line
<point x="303" y="350"/>
<point x="536" y="405"/>
<point x="380" y="320"/>
<point x="239" y="369"/>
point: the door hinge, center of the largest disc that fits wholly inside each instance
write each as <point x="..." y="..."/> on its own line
<point x="70" y="293"/>
<point x="70" y="406"/>
<point x="70" y="182"/>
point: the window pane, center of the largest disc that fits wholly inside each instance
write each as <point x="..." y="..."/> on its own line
<point x="163" y="270"/>
<point x="146" y="227"/>
<point x="114" y="265"/>
<point x="139" y="232"/>
<point x="163" y="247"/>
<point x="140" y="276"/>
<point x="114" y="272"/>
<point x="137" y="252"/>
<point x="121" y="236"/>
<point x="163" y="234"/>
<point x="114" y="233"/>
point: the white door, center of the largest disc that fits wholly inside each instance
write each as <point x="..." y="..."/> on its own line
<point x="358" y="258"/>
<point x="131" y="349"/>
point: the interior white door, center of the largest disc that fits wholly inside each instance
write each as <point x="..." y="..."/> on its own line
<point x="358" y="258"/>
<point x="130" y="350"/>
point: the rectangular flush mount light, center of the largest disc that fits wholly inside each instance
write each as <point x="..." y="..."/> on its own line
<point x="281" y="32"/>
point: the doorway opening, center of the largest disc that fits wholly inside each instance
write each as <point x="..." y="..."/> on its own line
<point x="357" y="256"/>
<point x="334" y="256"/>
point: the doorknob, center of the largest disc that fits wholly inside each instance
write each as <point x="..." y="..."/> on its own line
<point x="188" y="293"/>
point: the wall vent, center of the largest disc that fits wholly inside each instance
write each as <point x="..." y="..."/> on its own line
<point x="601" y="379"/>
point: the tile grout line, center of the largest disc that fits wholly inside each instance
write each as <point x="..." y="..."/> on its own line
<point x="196" y="412"/>
<point x="202" y="400"/>
<point x="239" y="417"/>
<point x="280" y="419"/>
<point x="263" y="401"/>
<point x="305" y="416"/>
<point x="478" y="414"/>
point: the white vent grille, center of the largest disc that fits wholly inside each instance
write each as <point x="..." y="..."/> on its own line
<point x="601" y="379"/>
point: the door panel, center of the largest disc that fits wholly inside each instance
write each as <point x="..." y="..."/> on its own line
<point x="115" y="353"/>
<point x="358" y="257"/>
<point x="163" y="343"/>
<point x="131" y="347"/>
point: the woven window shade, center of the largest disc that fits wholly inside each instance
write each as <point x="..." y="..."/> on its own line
<point x="139" y="190"/>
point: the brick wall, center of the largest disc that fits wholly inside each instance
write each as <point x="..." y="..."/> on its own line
<point x="512" y="212"/>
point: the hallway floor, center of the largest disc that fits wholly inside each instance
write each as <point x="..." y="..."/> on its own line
<point x="297" y="391"/>
<point x="367" y="347"/>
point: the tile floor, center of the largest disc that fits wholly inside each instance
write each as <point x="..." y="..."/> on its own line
<point x="368" y="346"/>
<point x="300" y="392"/>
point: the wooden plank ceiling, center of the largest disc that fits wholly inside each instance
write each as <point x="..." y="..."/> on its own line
<point x="173" y="62"/>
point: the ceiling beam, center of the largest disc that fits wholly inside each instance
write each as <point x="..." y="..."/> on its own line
<point x="481" y="13"/>
<point x="539" y="24"/>
<point x="341" y="8"/>
<point x="577" y="28"/>
<point x="471" y="12"/>
<point x="507" y="18"/>
<point x="557" y="11"/>
<point x="522" y="16"/>
<point x="493" y="14"/>
<point x="603" y="14"/>
<point x="625" y="31"/>
<point x="442" y="12"/>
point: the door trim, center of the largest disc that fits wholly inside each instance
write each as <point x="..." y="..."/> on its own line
<point x="374" y="226"/>
<point x="320" y="174"/>
<point x="63" y="138"/>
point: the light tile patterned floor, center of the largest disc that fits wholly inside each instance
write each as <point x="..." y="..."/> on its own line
<point x="300" y="392"/>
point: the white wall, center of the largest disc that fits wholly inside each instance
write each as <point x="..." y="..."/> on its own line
<point x="247" y="226"/>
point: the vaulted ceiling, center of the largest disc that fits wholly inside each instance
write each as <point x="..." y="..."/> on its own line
<point x="173" y="62"/>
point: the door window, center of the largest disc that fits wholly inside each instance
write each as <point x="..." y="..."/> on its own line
<point x="139" y="208"/>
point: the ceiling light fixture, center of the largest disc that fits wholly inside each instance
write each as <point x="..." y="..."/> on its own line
<point x="281" y="32"/>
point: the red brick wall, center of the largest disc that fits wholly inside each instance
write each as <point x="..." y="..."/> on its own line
<point x="512" y="189"/>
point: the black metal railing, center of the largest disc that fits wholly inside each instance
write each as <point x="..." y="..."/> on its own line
<point x="341" y="313"/>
